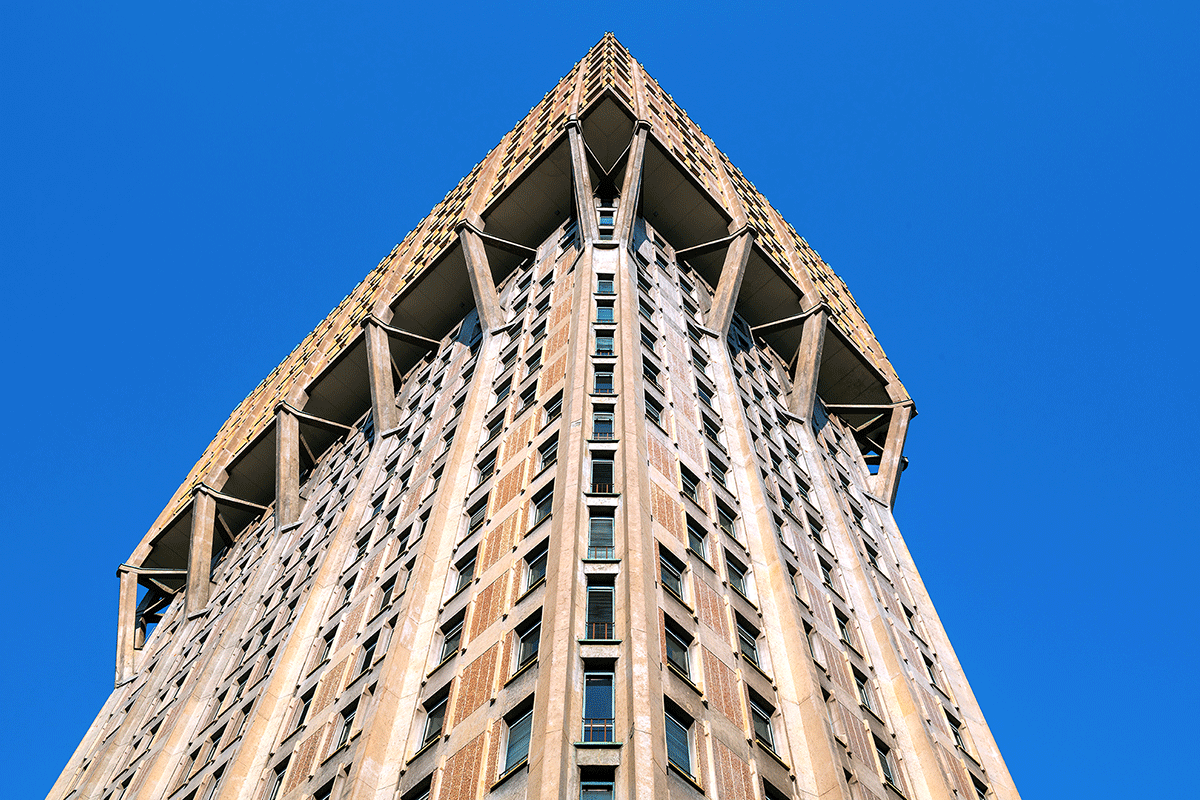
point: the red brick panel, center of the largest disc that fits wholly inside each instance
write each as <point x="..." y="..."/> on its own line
<point x="509" y="486"/>
<point x="733" y="774"/>
<point x="475" y="687"/>
<point x="460" y="778"/>
<point x="551" y="375"/>
<point x="712" y="610"/>
<point x="498" y="541"/>
<point x="302" y="760"/>
<point x="557" y="341"/>
<point x="689" y="443"/>
<point x="685" y="406"/>
<point x="516" y="441"/>
<point x="820" y="605"/>
<point x="661" y="457"/>
<point x="959" y="778"/>
<point x="856" y="735"/>
<point x="722" y="687"/>
<point x="666" y="510"/>
<point x="331" y="684"/>
<point x="561" y="311"/>
<point x="838" y="669"/>
<point x="488" y="606"/>
<point x="350" y="623"/>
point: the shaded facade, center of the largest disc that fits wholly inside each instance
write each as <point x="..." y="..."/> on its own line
<point x="584" y="492"/>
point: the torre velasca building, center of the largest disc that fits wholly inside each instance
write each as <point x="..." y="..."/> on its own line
<point x="584" y="492"/>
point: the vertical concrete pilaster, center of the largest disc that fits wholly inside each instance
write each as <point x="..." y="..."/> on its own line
<point x="126" y="622"/>
<point x="730" y="283"/>
<point x="808" y="365"/>
<point x="631" y="187"/>
<point x="200" y="547"/>
<point x="287" y="467"/>
<point x="379" y="366"/>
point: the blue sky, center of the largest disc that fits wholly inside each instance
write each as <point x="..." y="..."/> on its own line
<point x="1008" y="189"/>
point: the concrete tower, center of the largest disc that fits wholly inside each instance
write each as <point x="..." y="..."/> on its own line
<point x="584" y="492"/>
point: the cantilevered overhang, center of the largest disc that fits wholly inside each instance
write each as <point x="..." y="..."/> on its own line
<point x="529" y="210"/>
<point x="607" y="130"/>
<point x="437" y="298"/>
<point x="342" y="391"/>
<point x="675" y="204"/>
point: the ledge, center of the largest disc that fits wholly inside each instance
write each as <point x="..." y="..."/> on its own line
<point x="687" y="776"/>
<point x="522" y="671"/>
<point x="508" y="773"/>
<point x="598" y="745"/>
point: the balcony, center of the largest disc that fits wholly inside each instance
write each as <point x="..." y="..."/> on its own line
<point x="602" y="553"/>
<point x="601" y="631"/>
<point x="599" y="729"/>
<point x="603" y="488"/>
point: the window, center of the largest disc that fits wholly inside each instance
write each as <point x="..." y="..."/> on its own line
<point x="494" y="427"/>
<point x="596" y="790"/>
<point x="672" y="574"/>
<point x="726" y="519"/>
<point x="827" y="574"/>
<point x="520" y="725"/>
<point x="347" y="593"/>
<point x="690" y="484"/>
<point x="602" y="425"/>
<point x="885" y="762"/>
<point x="679" y="735"/>
<point x="502" y="390"/>
<point x="603" y="381"/>
<point x="554" y="408"/>
<point x="719" y="472"/>
<point x="678" y="647"/>
<point x="466" y="572"/>
<point x="760" y="718"/>
<point x="326" y="646"/>
<point x="645" y="308"/>
<point x="529" y="396"/>
<point x="364" y="544"/>
<point x="538" y="333"/>
<point x="604" y="311"/>
<point x="528" y="639"/>
<point x="654" y="411"/>
<point x="863" y="687"/>
<point x="981" y="791"/>
<point x="276" y="781"/>
<point x="603" y="475"/>
<point x="748" y="641"/>
<point x="815" y="528"/>
<point x="737" y="574"/>
<point x="872" y="557"/>
<point x="367" y="657"/>
<point x="598" y="722"/>
<point x="435" y="717"/>
<point x="712" y="430"/>
<point x="601" y="534"/>
<point x="533" y="363"/>
<point x="705" y="394"/>
<point x="956" y="730"/>
<point x="650" y="374"/>
<point x="604" y="344"/>
<point x="649" y="339"/>
<point x="535" y="566"/>
<point x="931" y="670"/>
<point x="346" y="724"/>
<point x="302" y="711"/>
<point x="387" y="590"/>
<point x="697" y="537"/>
<point x="600" y="600"/>
<point x="478" y="515"/>
<point x="548" y="453"/>
<point x="543" y="502"/>
<point x="451" y="638"/>
<point x="605" y="285"/>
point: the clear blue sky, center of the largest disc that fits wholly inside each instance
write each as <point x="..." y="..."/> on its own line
<point x="1009" y="189"/>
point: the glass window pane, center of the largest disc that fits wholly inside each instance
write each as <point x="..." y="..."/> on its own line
<point x="678" y="751"/>
<point x="518" y="741"/>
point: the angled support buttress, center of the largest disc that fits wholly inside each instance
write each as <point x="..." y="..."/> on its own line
<point x="200" y="544"/>
<point x="631" y="187"/>
<point x="581" y="181"/>
<point x="886" y="482"/>
<point x="479" y="271"/>
<point x="730" y="282"/>
<point x="288" y="440"/>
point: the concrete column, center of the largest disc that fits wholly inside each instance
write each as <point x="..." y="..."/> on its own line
<point x="631" y="187"/>
<point x="287" y="467"/>
<point x="885" y="483"/>
<point x="808" y="365"/>
<point x="732" y="272"/>
<point x="379" y="365"/>
<point x="199" y="577"/>
<point x="483" y="286"/>
<point x="582" y="182"/>
<point x="126" y="623"/>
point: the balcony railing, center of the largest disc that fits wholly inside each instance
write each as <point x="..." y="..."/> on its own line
<point x="599" y="729"/>
<point x="606" y="631"/>
<point x="602" y="553"/>
<point x="603" y="488"/>
<point x="603" y="436"/>
<point x="604" y="390"/>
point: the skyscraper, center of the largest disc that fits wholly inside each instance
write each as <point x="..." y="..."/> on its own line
<point x="585" y="491"/>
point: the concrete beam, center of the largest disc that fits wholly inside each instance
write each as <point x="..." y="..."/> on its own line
<point x="200" y="548"/>
<point x="126" y="623"/>
<point x="483" y="286"/>
<point x="287" y="467"/>
<point x="732" y="272"/>
<point x="631" y="187"/>
<point x="581" y="180"/>
<point x="808" y="364"/>
<point x="886" y="482"/>
<point x="379" y="367"/>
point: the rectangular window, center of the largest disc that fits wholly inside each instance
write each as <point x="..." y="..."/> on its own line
<point x="533" y="363"/>
<point x="679" y="747"/>
<point x="548" y="453"/>
<point x="518" y="740"/>
<point x="466" y="572"/>
<point x="596" y="790"/>
<point x="705" y="394"/>
<point x="605" y="285"/>
<point x="527" y="645"/>
<point x="478" y="517"/>
<point x="367" y="658"/>
<point x="760" y="716"/>
<point x="602" y="425"/>
<point x="598" y="722"/>
<point x="649" y="339"/>
<point x="529" y="396"/>
<point x="603" y="382"/>
<point x="502" y="391"/>
<point x="538" y="333"/>
<point x="843" y="626"/>
<point x="748" y="641"/>
<point x="737" y="574"/>
<point x="885" y="762"/>
<point x="864" y="690"/>
<point x="535" y="566"/>
<point x="494" y="427"/>
<point x="654" y="411"/>
<point x="554" y="408"/>
<point x="690" y="484"/>
<point x="678" y="648"/>
<point x="719" y="472"/>
<point x="604" y="344"/>
<point x="600" y="620"/>
<point x="712" y="430"/>
<point x="451" y="639"/>
<point x="605" y="312"/>
<point x="726" y="519"/>
<point x="543" y="502"/>
<point x="650" y="374"/>
<point x="434" y="719"/>
<point x="697" y="538"/>
<point x="645" y="309"/>
<point x="672" y="574"/>
<point x="346" y="724"/>
<point x="603" y="475"/>
<point x="601" y="535"/>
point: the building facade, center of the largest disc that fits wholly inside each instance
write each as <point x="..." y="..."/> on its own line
<point x="584" y="492"/>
